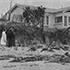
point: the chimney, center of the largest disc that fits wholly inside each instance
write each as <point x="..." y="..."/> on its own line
<point x="10" y="4"/>
<point x="61" y="6"/>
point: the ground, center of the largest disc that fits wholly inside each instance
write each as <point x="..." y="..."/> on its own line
<point x="8" y="55"/>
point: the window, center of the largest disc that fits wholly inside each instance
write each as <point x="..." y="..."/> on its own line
<point x="17" y="18"/>
<point x="14" y="18"/>
<point x="65" y="20"/>
<point x="69" y="19"/>
<point x="47" y="20"/>
<point x="58" y="19"/>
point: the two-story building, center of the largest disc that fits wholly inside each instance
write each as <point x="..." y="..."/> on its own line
<point x="59" y="18"/>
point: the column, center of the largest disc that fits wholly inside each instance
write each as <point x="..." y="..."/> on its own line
<point x="63" y="19"/>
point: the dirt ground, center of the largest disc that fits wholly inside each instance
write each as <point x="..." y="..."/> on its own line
<point x="5" y="64"/>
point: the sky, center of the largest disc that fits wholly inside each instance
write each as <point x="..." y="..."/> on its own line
<point x="5" y="4"/>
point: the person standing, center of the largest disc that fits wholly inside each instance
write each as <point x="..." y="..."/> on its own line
<point x="10" y="37"/>
<point x="3" y="39"/>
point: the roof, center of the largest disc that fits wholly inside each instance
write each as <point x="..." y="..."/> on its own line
<point x="23" y="7"/>
<point x="64" y="9"/>
<point x="49" y="10"/>
<point x="20" y="6"/>
<point x="57" y="10"/>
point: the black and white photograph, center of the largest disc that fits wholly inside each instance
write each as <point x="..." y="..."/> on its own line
<point x="34" y="34"/>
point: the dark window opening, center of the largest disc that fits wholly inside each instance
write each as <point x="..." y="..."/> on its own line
<point x="58" y="19"/>
<point x="47" y="20"/>
<point x="69" y="19"/>
<point x="65" y="20"/>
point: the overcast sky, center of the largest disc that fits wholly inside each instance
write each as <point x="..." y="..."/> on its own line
<point x="5" y="4"/>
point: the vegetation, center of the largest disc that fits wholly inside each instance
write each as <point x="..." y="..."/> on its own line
<point x="60" y="35"/>
<point x="25" y="35"/>
<point x="35" y="17"/>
